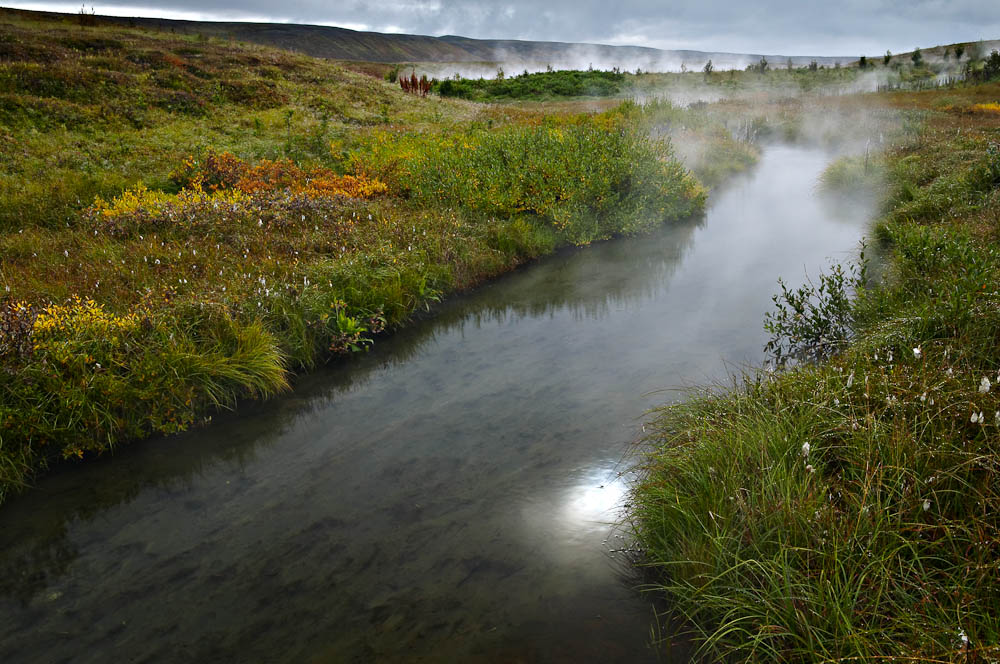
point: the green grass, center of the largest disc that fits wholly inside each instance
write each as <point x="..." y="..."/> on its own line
<point x="846" y="510"/>
<point x="857" y="174"/>
<point x="562" y="84"/>
<point x="539" y="85"/>
<point x="179" y="226"/>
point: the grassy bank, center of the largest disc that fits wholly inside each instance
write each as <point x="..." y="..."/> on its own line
<point x="185" y="222"/>
<point x="847" y="510"/>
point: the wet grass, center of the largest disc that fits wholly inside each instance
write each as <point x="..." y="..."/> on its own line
<point x="846" y="510"/>
<point x="219" y="217"/>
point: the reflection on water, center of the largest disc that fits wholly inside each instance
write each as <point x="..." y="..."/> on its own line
<point x="446" y="497"/>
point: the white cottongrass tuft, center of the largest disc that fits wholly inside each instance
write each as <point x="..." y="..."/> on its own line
<point x="810" y="469"/>
<point x="927" y="504"/>
<point x="977" y="418"/>
<point x="850" y="380"/>
<point x="805" y="449"/>
<point x="984" y="385"/>
<point x="916" y="352"/>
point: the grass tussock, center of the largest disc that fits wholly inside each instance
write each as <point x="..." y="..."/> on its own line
<point x="852" y="174"/>
<point x="220" y="216"/>
<point x="846" y="510"/>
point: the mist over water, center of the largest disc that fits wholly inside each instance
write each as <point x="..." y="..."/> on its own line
<point x="448" y="496"/>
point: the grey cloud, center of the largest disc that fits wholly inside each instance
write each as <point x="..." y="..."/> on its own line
<point x="773" y="26"/>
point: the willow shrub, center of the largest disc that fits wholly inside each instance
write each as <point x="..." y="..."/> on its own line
<point x="588" y="179"/>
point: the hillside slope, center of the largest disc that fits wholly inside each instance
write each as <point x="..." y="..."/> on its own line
<point x="342" y="44"/>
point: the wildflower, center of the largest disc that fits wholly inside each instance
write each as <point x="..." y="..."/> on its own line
<point x="984" y="385"/>
<point x="805" y="449"/>
<point x="916" y="353"/>
<point x="927" y="504"/>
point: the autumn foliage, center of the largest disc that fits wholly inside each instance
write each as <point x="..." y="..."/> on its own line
<point x="415" y="86"/>
<point x="219" y="171"/>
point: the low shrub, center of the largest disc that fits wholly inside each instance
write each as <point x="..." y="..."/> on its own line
<point x="589" y="179"/>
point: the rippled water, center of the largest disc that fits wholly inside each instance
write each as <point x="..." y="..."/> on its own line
<point x="445" y="497"/>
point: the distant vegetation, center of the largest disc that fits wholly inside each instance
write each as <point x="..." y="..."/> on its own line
<point x="541" y="85"/>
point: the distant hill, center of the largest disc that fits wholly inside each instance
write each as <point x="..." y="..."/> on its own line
<point x="343" y="44"/>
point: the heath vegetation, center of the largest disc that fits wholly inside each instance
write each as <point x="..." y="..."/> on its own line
<point x="185" y="222"/>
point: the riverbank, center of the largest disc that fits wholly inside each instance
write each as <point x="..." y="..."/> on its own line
<point x="847" y="509"/>
<point x="478" y="447"/>
<point x="222" y="216"/>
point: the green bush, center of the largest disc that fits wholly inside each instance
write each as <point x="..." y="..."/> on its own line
<point x="588" y="179"/>
<point x="540" y="85"/>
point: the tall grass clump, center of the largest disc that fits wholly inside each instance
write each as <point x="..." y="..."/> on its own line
<point x="81" y="378"/>
<point x="849" y="509"/>
<point x="853" y="175"/>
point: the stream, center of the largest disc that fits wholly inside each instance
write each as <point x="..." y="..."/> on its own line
<point x="448" y="496"/>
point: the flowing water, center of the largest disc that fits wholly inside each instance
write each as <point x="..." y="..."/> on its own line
<point x="446" y="497"/>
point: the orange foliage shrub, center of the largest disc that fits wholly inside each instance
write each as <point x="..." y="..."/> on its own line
<point x="219" y="171"/>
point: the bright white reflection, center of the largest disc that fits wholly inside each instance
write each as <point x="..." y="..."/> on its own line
<point x="573" y="523"/>
<point x="596" y="500"/>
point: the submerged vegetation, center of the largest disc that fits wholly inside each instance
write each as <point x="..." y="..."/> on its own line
<point x="221" y="216"/>
<point x="847" y="509"/>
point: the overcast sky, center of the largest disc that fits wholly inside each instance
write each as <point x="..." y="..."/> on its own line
<point x="787" y="27"/>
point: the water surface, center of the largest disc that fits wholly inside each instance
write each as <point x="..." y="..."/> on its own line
<point x="446" y="497"/>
